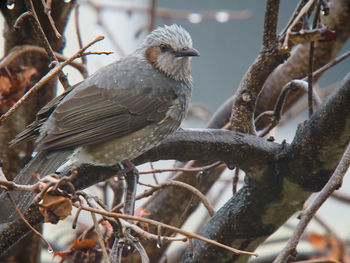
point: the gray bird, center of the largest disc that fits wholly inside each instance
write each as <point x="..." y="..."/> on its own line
<point x="116" y="114"/>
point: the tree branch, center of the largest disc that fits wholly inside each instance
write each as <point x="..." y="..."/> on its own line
<point x="262" y="206"/>
<point x="271" y="55"/>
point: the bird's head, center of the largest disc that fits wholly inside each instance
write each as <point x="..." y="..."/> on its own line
<point x="168" y="49"/>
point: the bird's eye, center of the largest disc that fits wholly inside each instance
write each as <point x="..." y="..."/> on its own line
<point x="164" y="47"/>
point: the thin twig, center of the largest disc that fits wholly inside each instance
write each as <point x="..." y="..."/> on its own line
<point x="96" y="226"/>
<point x="333" y="183"/>
<point x="40" y="32"/>
<point x="153" y="174"/>
<point x="302" y="12"/>
<point x="292" y="19"/>
<point x="194" y="191"/>
<point x="310" y="88"/>
<point x="11" y="186"/>
<point x="332" y="63"/>
<point x="19" y="50"/>
<point x="276" y="114"/>
<point x="195" y="169"/>
<point x="36" y="232"/>
<point x="311" y="59"/>
<point x="21" y="18"/>
<point x="148" y="235"/>
<point x="104" y="26"/>
<point x="47" y="10"/>
<point x="78" y="33"/>
<point x="152" y="14"/>
<point x="47" y="77"/>
<point x="100" y="238"/>
<point x="188" y="187"/>
<point x="172" y="228"/>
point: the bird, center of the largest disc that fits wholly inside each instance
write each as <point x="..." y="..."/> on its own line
<point x="118" y="113"/>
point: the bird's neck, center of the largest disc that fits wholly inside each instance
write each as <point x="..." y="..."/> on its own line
<point x="178" y="69"/>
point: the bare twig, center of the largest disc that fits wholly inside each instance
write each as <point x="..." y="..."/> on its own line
<point x="153" y="174"/>
<point x="188" y="187"/>
<point x="152" y="14"/>
<point x="10" y="185"/>
<point x="96" y="226"/>
<point x="78" y="33"/>
<point x="293" y="18"/>
<point x="333" y="183"/>
<point x="20" y="19"/>
<point x="47" y="77"/>
<point x="19" y="50"/>
<point x="172" y="228"/>
<point x="311" y="59"/>
<point x="148" y="235"/>
<point x="195" y="169"/>
<point x="40" y="32"/>
<point x="275" y="115"/>
<point x="100" y="238"/>
<point x="194" y="191"/>
<point x="302" y="12"/>
<point x="110" y="35"/>
<point x="36" y="232"/>
<point x="332" y="63"/>
<point x="47" y="10"/>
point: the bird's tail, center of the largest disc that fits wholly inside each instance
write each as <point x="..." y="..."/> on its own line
<point x="43" y="164"/>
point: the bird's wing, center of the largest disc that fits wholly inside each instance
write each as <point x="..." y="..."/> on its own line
<point x="94" y="115"/>
<point x="32" y="130"/>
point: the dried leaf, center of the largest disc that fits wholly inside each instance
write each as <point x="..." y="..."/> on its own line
<point x="55" y="208"/>
<point x="142" y="212"/>
<point x="109" y="227"/>
<point x="318" y="241"/>
<point x="336" y="249"/>
<point x="14" y="82"/>
<point x="83" y="250"/>
<point x="86" y="243"/>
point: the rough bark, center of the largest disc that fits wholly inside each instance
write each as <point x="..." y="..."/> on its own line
<point x="299" y="169"/>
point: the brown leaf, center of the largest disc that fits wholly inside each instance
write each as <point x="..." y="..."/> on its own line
<point x="86" y="243"/>
<point x="55" y="208"/>
<point x="336" y="249"/>
<point x="142" y="212"/>
<point x="14" y="82"/>
<point x="318" y="241"/>
<point x="83" y="249"/>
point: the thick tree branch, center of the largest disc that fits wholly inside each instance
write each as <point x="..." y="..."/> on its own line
<point x="271" y="55"/>
<point x="261" y="207"/>
<point x="246" y="151"/>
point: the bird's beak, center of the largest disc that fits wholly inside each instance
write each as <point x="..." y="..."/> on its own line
<point x="187" y="52"/>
